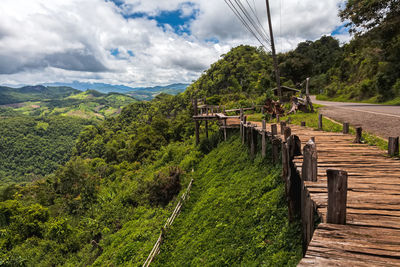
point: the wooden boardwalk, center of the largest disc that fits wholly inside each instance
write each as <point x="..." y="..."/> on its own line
<point x="371" y="236"/>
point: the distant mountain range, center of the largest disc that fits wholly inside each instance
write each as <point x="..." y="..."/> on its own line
<point x="141" y="93"/>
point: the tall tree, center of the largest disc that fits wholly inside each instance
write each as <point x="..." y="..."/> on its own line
<point x="367" y="14"/>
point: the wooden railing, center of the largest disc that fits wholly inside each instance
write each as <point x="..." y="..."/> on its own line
<point x="156" y="248"/>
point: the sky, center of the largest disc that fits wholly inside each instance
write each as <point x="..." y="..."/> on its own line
<point x="141" y="42"/>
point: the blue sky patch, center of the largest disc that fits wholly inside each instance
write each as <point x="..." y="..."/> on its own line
<point x="114" y="52"/>
<point x="131" y="53"/>
<point x="175" y="18"/>
<point x="342" y="29"/>
<point x="212" y="40"/>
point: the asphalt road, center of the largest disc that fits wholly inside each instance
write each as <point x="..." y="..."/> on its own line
<point x="380" y="120"/>
<point x="391" y="111"/>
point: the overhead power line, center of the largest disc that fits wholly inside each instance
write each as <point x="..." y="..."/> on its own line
<point x="250" y="20"/>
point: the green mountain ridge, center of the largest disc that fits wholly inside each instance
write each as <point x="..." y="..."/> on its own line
<point x="10" y="95"/>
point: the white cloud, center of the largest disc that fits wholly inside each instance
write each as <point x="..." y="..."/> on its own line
<point x="65" y="40"/>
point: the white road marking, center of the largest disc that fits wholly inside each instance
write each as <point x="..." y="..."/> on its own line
<point x="372" y="112"/>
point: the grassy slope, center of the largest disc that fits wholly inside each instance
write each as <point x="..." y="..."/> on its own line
<point x="236" y="215"/>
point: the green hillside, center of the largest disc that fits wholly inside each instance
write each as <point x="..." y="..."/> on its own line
<point x="10" y="95"/>
<point x="36" y="137"/>
<point x="243" y="73"/>
<point x="87" y="105"/>
<point x="236" y="215"/>
<point x="32" y="147"/>
<point x="106" y="205"/>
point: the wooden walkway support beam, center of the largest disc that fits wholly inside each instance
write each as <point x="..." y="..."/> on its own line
<point x="224" y="124"/>
<point x="274" y="130"/>
<point x="358" y="138"/>
<point x="337" y="196"/>
<point x="263" y="141"/>
<point x="307" y="216"/>
<point x="346" y="127"/>
<point x="393" y="146"/>
<point x="206" y="128"/>
<point x="276" y="143"/>
<point x="309" y="169"/>
<point x="283" y="125"/>
<point x="320" y="122"/>
<point x="197" y="129"/>
<point x="287" y="132"/>
<point x="244" y="129"/>
<point x="253" y="144"/>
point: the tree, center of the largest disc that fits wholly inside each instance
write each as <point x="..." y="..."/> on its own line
<point x="368" y="14"/>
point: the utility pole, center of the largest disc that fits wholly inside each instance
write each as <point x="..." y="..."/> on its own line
<point x="277" y="73"/>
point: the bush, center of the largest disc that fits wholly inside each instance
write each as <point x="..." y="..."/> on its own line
<point x="165" y="186"/>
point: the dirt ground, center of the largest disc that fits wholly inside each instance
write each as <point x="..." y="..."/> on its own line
<point x="381" y="125"/>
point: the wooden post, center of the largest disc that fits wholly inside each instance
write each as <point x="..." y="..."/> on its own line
<point x="224" y="125"/>
<point x="249" y="135"/>
<point x="346" y="127"/>
<point x="195" y="107"/>
<point x="307" y="217"/>
<point x="244" y="129"/>
<point x="206" y="128"/>
<point x="303" y="123"/>
<point x="277" y="118"/>
<point x="337" y="196"/>
<point x="287" y="132"/>
<point x="212" y="110"/>
<point x="393" y="146"/>
<point x="283" y="124"/>
<point x="309" y="170"/>
<point x="262" y="110"/>
<point x="197" y="128"/>
<point x="253" y="145"/>
<point x="263" y="143"/>
<point x="285" y="164"/>
<point x="358" y="135"/>
<point x="274" y="129"/>
<point x="275" y="149"/>
<point x="289" y="120"/>
<point x="241" y="122"/>
<point x="319" y="121"/>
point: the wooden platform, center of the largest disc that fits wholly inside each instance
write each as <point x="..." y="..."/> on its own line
<point x="371" y="236"/>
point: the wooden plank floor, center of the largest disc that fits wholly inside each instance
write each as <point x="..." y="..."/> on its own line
<point x="371" y="236"/>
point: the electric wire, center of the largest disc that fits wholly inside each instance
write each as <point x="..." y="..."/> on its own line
<point x="254" y="11"/>
<point x="252" y="29"/>
<point x="236" y="12"/>
<point x="252" y="22"/>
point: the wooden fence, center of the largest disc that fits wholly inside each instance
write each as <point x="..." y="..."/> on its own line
<point x="156" y="248"/>
<point x="297" y="195"/>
